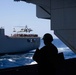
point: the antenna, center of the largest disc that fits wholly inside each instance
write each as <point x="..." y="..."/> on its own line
<point x="14" y="30"/>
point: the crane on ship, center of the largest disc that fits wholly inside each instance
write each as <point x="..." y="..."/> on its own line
<point x="25" y="29"/>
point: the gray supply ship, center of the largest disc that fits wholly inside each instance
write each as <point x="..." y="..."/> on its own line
<point x="18" y="42"/>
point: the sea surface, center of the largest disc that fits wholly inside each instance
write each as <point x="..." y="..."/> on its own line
<point x="7" y="61"/>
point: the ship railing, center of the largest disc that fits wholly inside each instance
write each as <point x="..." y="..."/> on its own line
<point x="24" y="35"/>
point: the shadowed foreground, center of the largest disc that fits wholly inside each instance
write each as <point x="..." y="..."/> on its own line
<point x="67" y="67"/>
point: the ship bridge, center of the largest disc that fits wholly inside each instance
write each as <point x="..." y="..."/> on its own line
<point x="62" y="16"/>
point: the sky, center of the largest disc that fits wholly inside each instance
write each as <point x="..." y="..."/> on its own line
<point x="19" y="14"/>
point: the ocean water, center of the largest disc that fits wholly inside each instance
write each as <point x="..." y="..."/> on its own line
<point x="7" y="61"/>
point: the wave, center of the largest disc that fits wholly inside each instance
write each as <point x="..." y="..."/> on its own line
<point x="63" y="49"/>
<point x="68" y="53"/>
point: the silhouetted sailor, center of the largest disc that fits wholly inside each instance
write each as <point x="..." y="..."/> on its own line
<point x="46" y="57"/>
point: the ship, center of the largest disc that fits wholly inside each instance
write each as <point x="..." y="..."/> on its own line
<point x="18" y="42"/>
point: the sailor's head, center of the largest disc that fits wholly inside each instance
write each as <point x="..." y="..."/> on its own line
<point x="47" y="38"/>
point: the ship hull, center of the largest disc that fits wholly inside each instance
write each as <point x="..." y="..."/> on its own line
<point x="18" y="45"/>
